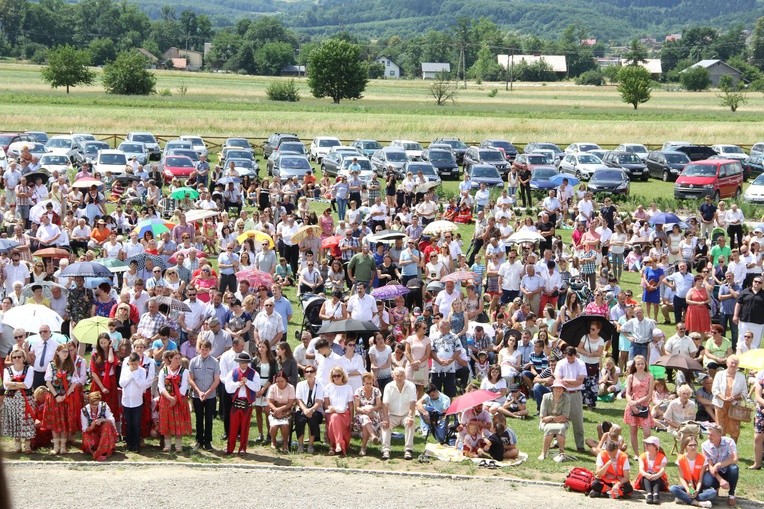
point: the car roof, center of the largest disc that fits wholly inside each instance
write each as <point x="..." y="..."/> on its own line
<point x="484" y="167"/>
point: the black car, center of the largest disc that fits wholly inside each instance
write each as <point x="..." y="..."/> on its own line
<point x="477" y="155"/>
<point x="754" y="165"/>
<point x="510" y="152"/>
<point x="609" y="181"/>
<point x="458" y="147"/>
<point x="629" y="162"/>
<point x="697" y="152"/>
<point x="666" y="165"/>
<point x="443" y="161"/>
<point x="275" y="139"/>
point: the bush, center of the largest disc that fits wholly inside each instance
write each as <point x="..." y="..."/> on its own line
<point x="695" y="79"/>
<point x="283" y="91"/>
<point x="493" y="92"/>
<point x="165" y="92"/>
<point x="594" y="77"/>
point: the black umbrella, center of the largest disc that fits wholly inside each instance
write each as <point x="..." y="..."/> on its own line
<point x="86" y="269"/>
<point x="349" y="325"/>
<point x="33" y="176"/>
<point x="389" y="235"/>
<point x="127" y="178"/>
<point x="573" y="330"/>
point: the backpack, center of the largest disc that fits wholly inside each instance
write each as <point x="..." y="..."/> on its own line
<point x="579" y="480"/>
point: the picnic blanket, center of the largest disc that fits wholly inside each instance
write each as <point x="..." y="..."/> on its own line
<point x="452" y="454"/>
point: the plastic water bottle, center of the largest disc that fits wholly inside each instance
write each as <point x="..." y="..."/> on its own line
<point x="614" y="491"/>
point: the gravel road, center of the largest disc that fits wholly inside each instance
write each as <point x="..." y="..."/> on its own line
<point x="168" y="485"/>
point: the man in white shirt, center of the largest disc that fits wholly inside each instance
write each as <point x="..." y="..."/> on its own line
<point x="399" y="404"/>
<point x="15" y="271"/>
<point x="552" y="284"/>
<point x="680" y="282"/>
<point x="571" y="371"/>
<point x="139" y="297"/>
<point x="734" y="219"/>
<point x="639" y="330"/>
<point x="378" y="214"/>
<point x="133" y="381"/>
<point x="362" y="306"/>
<point x="531" y="286"/>
<point x="133" y="246"/>
<point x="445" y="298"/>
<point x="552" y="206"/>
<point x="510" y="273"/>
<point x="326" y="359"/>
<point x="48" y="233"/>
<point x="681" y="343"/>
<point x="310" y="279"/>
<point x="737" y="267"/>
<point x="268" y="326"/>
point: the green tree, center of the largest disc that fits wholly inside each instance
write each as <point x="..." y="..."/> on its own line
<point x="757" y="44"/>
<point x="271" y="57"/>
<point x="486" y="68"/>
<point x="336" y="70"/>
<point x="695" y="79"/>
<point x="68" y="67"/>
<point x="634" y="85"/>
<point x="732" y="95"/>
<point x="102" y="50"/>
<point x="636" y="54"/>
<point x="128" y="75"/>
<point x="443" y="89"/>
<point x="376" y="70"/>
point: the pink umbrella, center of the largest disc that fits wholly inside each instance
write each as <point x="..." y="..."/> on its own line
<point x="332" y="241"/>
<point x="255" y="277"/>
<point x="469" y="400"/>
<point x="460" y="275"/>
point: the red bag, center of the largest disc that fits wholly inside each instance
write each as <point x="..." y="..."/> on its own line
<point x="579" y="479"/>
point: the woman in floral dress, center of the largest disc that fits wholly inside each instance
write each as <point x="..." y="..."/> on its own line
<point x="368" y="405"/>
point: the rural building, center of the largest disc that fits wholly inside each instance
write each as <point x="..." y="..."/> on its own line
<point x="294" y="70"/>
<point x="152" y="60"/>
<point x="653" y="65"/>
<point x="716" y="69"/>
<point x="557" y="63"/>
<point x="194" y="59"/>
<point x="431" y="70"/>
<point x="392" y="70"/>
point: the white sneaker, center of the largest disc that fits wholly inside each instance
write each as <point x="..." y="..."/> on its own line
<point x="705" y="503"/>
<point x="559" y="458"/>
<point x="542" y="457"/>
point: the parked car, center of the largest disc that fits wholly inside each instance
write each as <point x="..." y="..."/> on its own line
<point x="65" y="145"/>
<point x="581" y="147"/>
<point x="582" y="165"/>
<point x="720" y="178"/>
<point x="188" y="152"/>
<point x="3" y="160"/>
<point x="134" y="149"/>
<point x="666" y="165"/>
<point x="458" y="147"/>
<point x="427" y="169"/>
<point x="366" y="174"/>
<point x="288" y="165"/>
<point x="542" y="145"/>
<point x="275" y="140"/>
<point x="755" y="192"/>
<point x="240" y="144"/>
<point x="293" y="146"/>
<point x="34" y="147"/>
<point x="389" y="159"/>
<point x="730" y="152"/>
<point x="443" y="161"/>
<point x="754" y="165"/>
<point x="54" y="162"/>
<point x="320" y="146"/>
<point x="635" y="148"/>
<point x="757" y="149"/>
<point x="173" y="144"/>
<point x="177" y="167"/>
<point x="609" y="181"/>
<point x="509" y="150"/>
<point x="412" y="148"/>
<point x="333" y="162"/>
<point x="90" y="149"/>
<point x="697" y="152"/>
<point x="155" y="154"/>
<point x="367" y="147"/>
<point x="540" y="179"/>
<point x="110" y="162"/>
<point x="38" y="136"/>
<point x="477" y="155"/>
<point x="628" y="161"/>
<point x="197" y="143"/>
<point x="671" y="146"/>
<point x="7" y="138"/>
<point x="243" y="167"/>
<point x="236" y="152"/>
<point x="485" y="174"/>
<point x="82" y="138"/>
<point x="531" y="161"/>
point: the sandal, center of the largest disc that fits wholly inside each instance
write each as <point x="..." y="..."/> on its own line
<point x="491" y="464"/>
<point x="483" y="463"/>
<point x="423" y="458"/>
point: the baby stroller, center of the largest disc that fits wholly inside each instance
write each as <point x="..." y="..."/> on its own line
<point x="414" y="297"/>
<point x="311" y="307"/>
<point x="442" y="427"/>
<point x="582" y="290"/>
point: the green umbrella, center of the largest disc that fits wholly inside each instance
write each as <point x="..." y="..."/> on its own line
<point x="113" y="264"/>
<point x="183" y="192"/>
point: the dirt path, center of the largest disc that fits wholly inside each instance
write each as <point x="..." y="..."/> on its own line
<point x="201" y="486"/>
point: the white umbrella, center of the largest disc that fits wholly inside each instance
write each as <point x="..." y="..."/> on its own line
<point x="200" y="214"/>
<point x="438" y="227"/>
<point x="31" y="316"/>
<point x="487" y="328"/>
<point x="46" y="289"/>
<point x="55" y="336"/>
<point x="525" y="236"/>
<point x="36" y="212"/>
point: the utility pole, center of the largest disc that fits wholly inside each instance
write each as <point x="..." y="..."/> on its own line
<point x="464" y="66"/>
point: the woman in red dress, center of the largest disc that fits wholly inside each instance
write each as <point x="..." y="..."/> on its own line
<point x="99" y="436"/>
<point x="697" y="317"/>
<point x="103" y="369"/>
<point x="174" y="415"/>
<point x="61" y="416"/>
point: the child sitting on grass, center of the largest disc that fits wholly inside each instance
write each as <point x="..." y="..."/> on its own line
<point x="501" y="444"/>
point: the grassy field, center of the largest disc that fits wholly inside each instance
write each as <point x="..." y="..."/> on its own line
<point x="232" y="105"/>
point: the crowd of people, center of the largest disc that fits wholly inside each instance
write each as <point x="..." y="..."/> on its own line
<point x="198" y="321"/>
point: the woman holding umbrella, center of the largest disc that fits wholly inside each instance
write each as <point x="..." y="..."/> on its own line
<point x="697" y="316"/>
<point x="590" y="350"/>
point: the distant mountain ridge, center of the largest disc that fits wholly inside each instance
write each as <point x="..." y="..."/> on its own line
<point x="614" y="20"/>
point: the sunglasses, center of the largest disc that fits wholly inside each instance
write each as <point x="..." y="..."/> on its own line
<point x="309" y="372"/>
<point x="336" y="376"/>
<point x="18" y="337"/>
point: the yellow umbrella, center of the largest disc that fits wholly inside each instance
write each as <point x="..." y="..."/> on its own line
<point x="752" y="359"/>
<point x="88" y="330"/>
<point x="258" y="236"/>
<point x="301" y="233"/>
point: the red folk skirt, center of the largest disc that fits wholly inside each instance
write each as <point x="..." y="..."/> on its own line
<point x="100" y="441"/>
<point x="175" y="420"/>
<point x="63" y="417"/>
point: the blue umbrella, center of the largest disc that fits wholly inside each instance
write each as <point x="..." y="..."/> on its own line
<point x="85" y="269"/>
<point x="229" y="180"/>
<point x="96" y="281"/>
<point x="665" y="218"/>
<point x="557" y="179"/>
<point x="7" y="244"/>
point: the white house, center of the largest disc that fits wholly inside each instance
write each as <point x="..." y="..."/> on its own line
<point x="653" y="65"/>
<point x="392" y="70"/>
<point x="431" y="70"/>
<point x="557" y="63"/>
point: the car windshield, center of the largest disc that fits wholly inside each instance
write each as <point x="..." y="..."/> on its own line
<point x="440" y="156"/>
<point x="483" y="172"/>
<point x="412" y="146"/>
<point x="363" y="163"/>
<point x="293" y="147"/>
<point x="732" y="149"/>
<point x="51" y="159"/>
<point x="629" y="159"/>
<point x="130" y="147"/>
<point x="59" y="143"/>
<point x="759" y="180"/>
<point x="295" y="163"/>
<point x="329" y="143"/>
<point x="112" y="159"/>
<point x="195" y="141"/>
<point x="397" y="157"/>
<point x="639" y="149"/>
<point x="507" y="146"/>
<point x="548" y="146"/>
<point x="37" y="148"/>
<point x="699" y="170"/>
<point x="144" y="138"/>
<point x="371" y="145"/>
<point x="237" y="143"/>
<point x="588" y="159"/>
<point x="544" y="173"/>
<point x="607" y="175"/>
<point x="539" y="159"/>
<point x="491" y="155"/>
<point x="180" y="161"/>
<point x="426" y="169"/>
<point x="679" y="158"/>
<point x="455" y="143"/>
<point x="241" y="154"/>
<point x="6" y="139"/>
<point x="242" y="163"/>
<point x="586" y="147"/>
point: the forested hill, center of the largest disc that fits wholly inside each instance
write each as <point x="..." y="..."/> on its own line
<point x="604" y="19"/>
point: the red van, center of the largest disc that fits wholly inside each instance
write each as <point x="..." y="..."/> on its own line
<point x="720" y="178"/>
